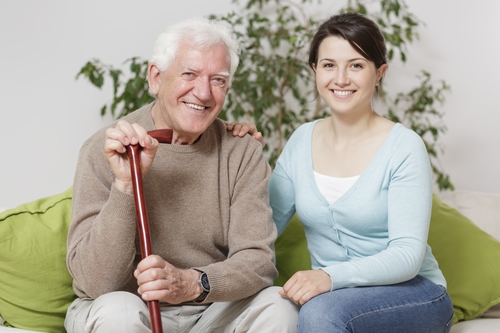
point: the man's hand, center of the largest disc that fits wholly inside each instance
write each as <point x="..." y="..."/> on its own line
<point x="304" y="285"/>
<point x="117" y="139"/>
<point x="159" y="280"/>
<point x="240" y="129"/>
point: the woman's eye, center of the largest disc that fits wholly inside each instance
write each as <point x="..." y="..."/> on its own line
<point x="357" y="66"/>
<point x="328" y="65"/>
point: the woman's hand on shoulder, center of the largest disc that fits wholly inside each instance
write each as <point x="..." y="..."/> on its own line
<point x="240" y="129"/>
<point x="304" y="285"/>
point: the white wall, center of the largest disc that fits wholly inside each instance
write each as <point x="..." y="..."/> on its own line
<point x="47" y="114"/>
<point x="460" y="45"/>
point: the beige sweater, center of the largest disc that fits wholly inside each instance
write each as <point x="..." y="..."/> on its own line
<point x="208" y="208"/>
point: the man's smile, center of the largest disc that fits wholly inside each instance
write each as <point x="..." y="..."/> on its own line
<point x="195" y="106"/>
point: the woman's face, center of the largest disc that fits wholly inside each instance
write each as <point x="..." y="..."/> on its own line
<point x="345" y="79"/>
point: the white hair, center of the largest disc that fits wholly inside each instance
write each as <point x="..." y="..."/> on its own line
<point x="197" y="32"/>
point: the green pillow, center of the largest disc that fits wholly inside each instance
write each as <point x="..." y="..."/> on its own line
<point x="469" y="259"/>
<point x="35" y="286"/>
<point x="292" y="254"/>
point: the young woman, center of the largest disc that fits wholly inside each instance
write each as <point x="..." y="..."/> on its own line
<point x="362" y="187"/>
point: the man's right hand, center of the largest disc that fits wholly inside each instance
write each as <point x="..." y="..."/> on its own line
<point x="117" y="139"/>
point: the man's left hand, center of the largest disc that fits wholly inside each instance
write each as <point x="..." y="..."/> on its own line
<point x="159" y="280"/>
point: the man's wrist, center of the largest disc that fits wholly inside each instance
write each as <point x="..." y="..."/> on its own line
<point x="204" y="285"/>
<point x="124" y="187"/>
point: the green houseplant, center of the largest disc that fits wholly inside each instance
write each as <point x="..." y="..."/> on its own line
<point x="273" y="86"/>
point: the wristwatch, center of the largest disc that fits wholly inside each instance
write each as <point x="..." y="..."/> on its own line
<point x="205" y="285"/>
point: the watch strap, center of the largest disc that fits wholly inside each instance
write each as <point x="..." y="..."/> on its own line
<point x="205" y="291"/>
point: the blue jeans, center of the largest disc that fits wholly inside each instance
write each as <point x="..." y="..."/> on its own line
<point x="414" y="306"/>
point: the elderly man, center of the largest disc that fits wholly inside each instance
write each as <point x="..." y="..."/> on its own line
<point x="207" y="202"/>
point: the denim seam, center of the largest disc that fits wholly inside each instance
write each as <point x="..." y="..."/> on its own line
<point x="396" y="307"/>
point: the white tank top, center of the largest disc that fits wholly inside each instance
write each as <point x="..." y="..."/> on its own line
<point x="333" y="188"/>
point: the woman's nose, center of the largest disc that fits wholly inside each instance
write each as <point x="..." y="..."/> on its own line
<point x="342" y="77"/>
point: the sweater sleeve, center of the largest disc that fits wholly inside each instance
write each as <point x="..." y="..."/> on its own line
<point x="281" y="196"/>
<point x="282" y="185"/>
<point x="249" y="266"/>
<point x="409" y="205"/>
<point x="101" y="239"/>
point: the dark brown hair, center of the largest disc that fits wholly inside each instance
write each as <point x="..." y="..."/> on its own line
<point x="362" y="33"/>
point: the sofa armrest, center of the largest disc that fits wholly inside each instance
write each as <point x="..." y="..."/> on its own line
<point x="4" y="329"/>
<point x="481" y="208"/>
<point x="15" y="330"/>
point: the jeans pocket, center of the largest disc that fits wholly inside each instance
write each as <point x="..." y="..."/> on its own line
<point x="447" y="328"/>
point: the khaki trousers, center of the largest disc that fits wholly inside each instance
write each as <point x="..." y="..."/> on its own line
<point x="124" y="312"/>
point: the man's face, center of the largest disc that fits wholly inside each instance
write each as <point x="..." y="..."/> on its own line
<point x="191" y="92"/>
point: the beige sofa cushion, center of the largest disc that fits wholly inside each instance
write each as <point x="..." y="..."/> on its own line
<point x="482" y="208"/>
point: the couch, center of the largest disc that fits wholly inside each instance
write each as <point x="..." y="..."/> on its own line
<point x="35" y="286"/>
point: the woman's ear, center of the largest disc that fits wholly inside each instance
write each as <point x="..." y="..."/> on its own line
<point x="381" y="71"/>
<point x="313" y="65"/>
<point x="154" y="78"/>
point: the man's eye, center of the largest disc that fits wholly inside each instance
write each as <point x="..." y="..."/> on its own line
<point x="219" y="82"/>
<point x="188" y="74"/>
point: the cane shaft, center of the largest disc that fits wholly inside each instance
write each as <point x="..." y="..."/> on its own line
<point x="133" y="152"/>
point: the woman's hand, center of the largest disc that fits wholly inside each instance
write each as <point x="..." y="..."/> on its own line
<point x="240" y="129"/>
<point x="304" y="285"/>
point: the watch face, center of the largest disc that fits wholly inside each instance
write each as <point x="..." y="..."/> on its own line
<point x="204" y="282"/>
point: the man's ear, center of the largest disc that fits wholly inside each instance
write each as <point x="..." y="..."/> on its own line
<point x="154" y="78"/>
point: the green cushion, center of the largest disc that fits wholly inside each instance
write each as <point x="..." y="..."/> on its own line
<point x="469" y="259"/>
<point x="35" y="286"/>
<point x="291" y="251"/>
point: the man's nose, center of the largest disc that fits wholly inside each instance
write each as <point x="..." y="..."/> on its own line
<point x="202" y="88"/>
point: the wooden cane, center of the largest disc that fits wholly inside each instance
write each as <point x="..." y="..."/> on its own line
<point x="133" y="152"/>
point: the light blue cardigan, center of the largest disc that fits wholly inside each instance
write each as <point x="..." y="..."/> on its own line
<point x="376" y="233"/>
